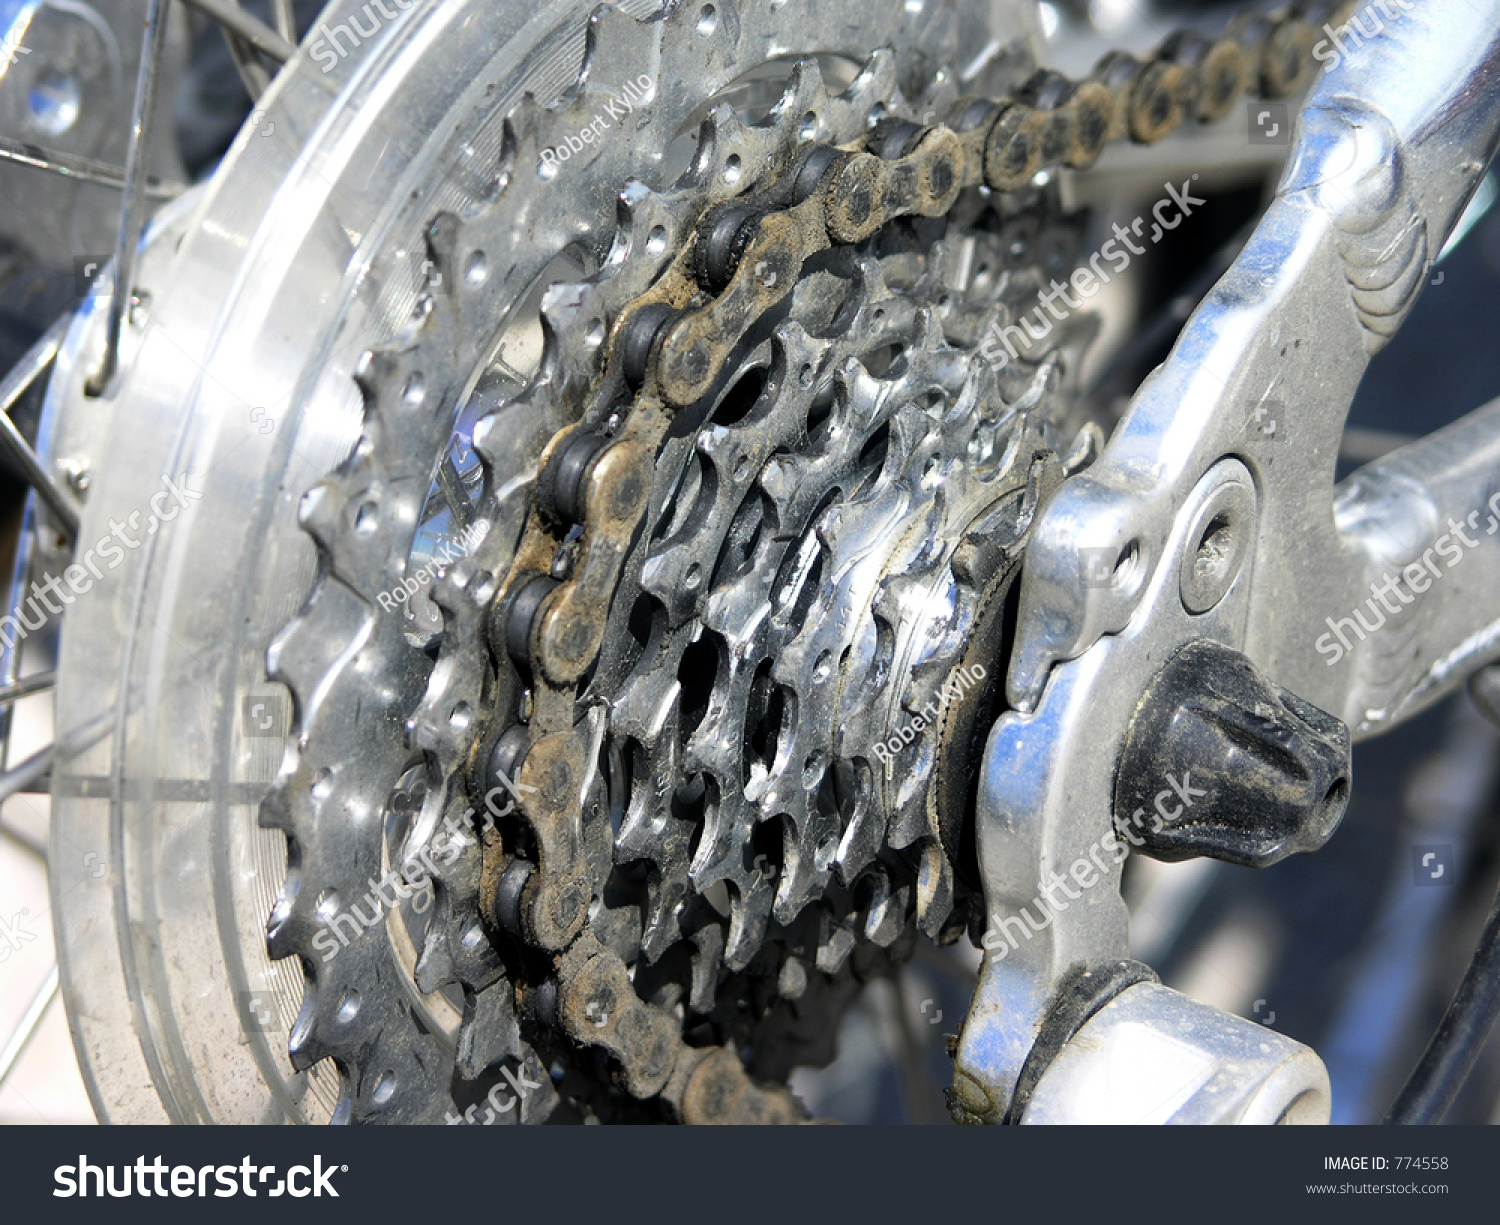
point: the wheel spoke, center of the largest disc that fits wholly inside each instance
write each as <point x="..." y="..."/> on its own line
<point x="24" y="1032"/>
<point x="19" y="778"/>
<point x="22" y="777"/>
<point x="12" y="387"/>
<point x="132" y="209"/>
<point x="71" y="166"/>
<point x="260" y="36"/>
<point x="39" y="682"/>
<point x="286" y="19"/>
<point x="23" y="840"/>
<point x="252" y="72"/>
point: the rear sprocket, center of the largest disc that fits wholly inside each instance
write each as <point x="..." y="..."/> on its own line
<point x="828" y="541"/>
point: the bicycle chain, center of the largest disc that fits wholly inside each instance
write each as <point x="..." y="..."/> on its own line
<point x="670" y="346"/>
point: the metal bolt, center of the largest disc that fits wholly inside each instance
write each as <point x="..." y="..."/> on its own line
<point x="1218" y="541"/>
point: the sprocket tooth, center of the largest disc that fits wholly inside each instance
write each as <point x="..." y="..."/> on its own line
<point x="435" y="968"/>
<point x="670" y="888"/>
<point x="804" y="93"/>
<point x="278" y="810"/>
<point x="442" y="725"/>
<point x="442" y="240"/>
<point x="455" y="950"/>
<point x="835" y="943"/>
<point x="884" y="912"/>
<point x="669" y="891"/>
<point x="724" y="811"/>
<point x="649" y="231"/>
<point x="630" y="42"/>
<point x="376" y="370"/>
<point x="714" y="747"/>
<point x="565" y="309"/>
<point x="836" y="524"/>
<point x="750" y="901"/>
<point x="911" y="821"/>
<point x="874" y="85"/>
<point x="934" y="889"/>
<point x="708" y="957"/>
<point x="483" y="176"/>
<point x="1038" y="385"/>
<point x="490" y="1032"/>
<point x="305" y="1045"/>
<point x="648" y="717"/>
<point x="711" y="749"/>
<point x="778" y="477"/>
<point x="781" y="793"/>
<point x="646" y="819"/>
<point x="682" y="43"/>
<point x="941" y="94"/>
<point x="979" y="556"/>
<point x="808" y="850"/>
<point x="641" y="830"/>
<point x="661" y="577"/>
<point x="495" y="434"/>
<point x="865" y="833"/>
<point x="722" y="136"/>
<point x="720" y="614"/>
<point x="896" y="595"/>
<point x="288" y="928"/>
<point x="319" y="511"/>
<point x="521" y="124"/>
<point x="929" y="679"/>
<point x="791" y="979"/>
<point x="374" y="1085"/>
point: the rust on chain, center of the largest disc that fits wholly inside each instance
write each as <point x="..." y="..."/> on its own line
<point x="694" y="351"/>
<point x="571" y="625"/>
<point x="719" y="1091"/>
<point x="599" y="1007"/>
<point x="556" y="898"/>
